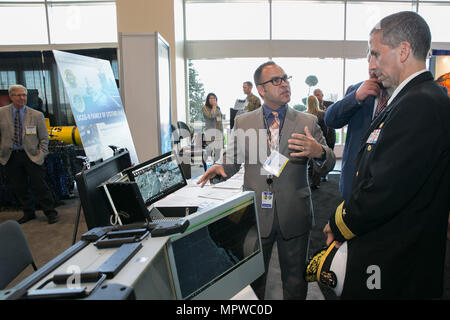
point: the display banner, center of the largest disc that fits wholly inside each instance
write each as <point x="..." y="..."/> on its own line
<point x="440" y="67"/>
<point x="96" y="105"/>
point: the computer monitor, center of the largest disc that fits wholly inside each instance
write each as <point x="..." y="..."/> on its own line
<point x="158" y="177"/>
<point x="220" y="253"/>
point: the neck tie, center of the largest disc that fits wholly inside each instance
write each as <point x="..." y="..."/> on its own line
<point x="17" y="130"/>
<point x="274" y="132"/>
<point x="382" y="102"/>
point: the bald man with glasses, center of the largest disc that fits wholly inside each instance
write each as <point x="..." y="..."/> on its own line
<point x="277" y="133"/>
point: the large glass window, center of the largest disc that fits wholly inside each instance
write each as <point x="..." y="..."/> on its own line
<point x="224" y="77"/>
<point x="362" y="16"/>
<point x="83" y="23"/>
<point x="436" y="16"/>
<point x="308" y="20"/>
<point x="227" y="21"/>
<point x="356" y="70"/>
<point x="23" y="24"/>
<point x="7" y="79"/>
<point x="35" y="80"/>
<point x="80" y="21"/>
<point x="327" y="71"/>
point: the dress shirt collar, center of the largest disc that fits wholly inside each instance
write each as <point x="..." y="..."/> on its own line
<point x="403" y="84"/>
<point x="269" y="116"/>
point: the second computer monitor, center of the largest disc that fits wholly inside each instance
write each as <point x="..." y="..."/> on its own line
<point x="158" y="177"/>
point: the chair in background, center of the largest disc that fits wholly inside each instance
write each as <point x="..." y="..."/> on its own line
<point x="15" y="255"/>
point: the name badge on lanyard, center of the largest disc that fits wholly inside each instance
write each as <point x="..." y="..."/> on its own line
<point x="266" y="200"/>
<point x="275" y="163"/>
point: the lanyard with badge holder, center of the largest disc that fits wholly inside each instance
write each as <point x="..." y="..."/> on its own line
<point x="274" y="164"/>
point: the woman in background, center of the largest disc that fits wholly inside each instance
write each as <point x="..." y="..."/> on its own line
<point x="213" y="125"/>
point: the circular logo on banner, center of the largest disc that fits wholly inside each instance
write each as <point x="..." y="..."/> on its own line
<point x="78" y="102"/>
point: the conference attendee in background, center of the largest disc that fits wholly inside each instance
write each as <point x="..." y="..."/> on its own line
<point x="323" y="104"/>
<point x="312" y="104"/>
<point x="330" y="135"/>
<point x="395" y="222"/>
<point x="213" y="135"/>
<point x="284" y="203"/>
<point x="361" y="103"/>
<point x="252" y="102"/>
<point x="23" y="147"/>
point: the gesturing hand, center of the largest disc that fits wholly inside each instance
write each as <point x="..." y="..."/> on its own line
<point x="306" y="144"/>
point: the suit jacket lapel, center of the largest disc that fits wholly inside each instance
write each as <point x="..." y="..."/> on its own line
<point x="26" y="120"/>
<point x="288" y="127"/>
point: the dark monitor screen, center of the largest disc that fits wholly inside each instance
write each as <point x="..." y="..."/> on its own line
<point x="96" y="208"/>
<point x="158" y="177"/>
<point x="215" y="250"/>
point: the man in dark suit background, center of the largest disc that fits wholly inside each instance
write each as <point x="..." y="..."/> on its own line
<point x="395" y="221"/>
<point x="23" y="147"/>
<point x="288" y="218"/>
<point x="356" y="110"/>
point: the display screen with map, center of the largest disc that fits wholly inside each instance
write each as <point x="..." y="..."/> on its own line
<point x="158" y="177"/>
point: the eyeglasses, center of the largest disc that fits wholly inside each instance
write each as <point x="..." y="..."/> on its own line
<point x="276" y="81"/>
<point x="19" y="95"/>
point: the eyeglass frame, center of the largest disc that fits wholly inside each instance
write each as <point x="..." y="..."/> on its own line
<point x="284" y="78"/>
<point x="19" y="95"/>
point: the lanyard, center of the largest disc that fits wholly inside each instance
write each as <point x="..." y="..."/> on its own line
<point x="269" y="179"/>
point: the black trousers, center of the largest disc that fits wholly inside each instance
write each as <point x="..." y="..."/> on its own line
<point x="292" y="256"/>
<point x="21" y="173"/>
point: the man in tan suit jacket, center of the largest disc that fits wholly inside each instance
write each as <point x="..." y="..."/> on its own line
<point x="289" y="218"/>
<point x="23" y="147"/>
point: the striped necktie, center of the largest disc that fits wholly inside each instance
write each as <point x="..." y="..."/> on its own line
<point x="17" y="130"/>
<point x="274" y="132"/>
<point x="382" y="102"/>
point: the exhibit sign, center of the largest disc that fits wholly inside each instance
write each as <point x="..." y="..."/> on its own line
<point x="440" y="67"/>
<point x="96" y="105"/>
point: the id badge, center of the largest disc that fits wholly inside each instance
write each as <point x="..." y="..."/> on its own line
<point x="266" y="200"/>
<point x="30" y="130"/>
<point x="275" y="163"/>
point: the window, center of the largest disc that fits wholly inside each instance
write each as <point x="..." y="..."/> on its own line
<point x="224" y="77"/>
<point x="23" y="24"/>
<point x="436" y="16"/>
<point x="7" y="79"/>
<point x="82" y="23"/>
<point x="362" y="16"/>
<point x="229" y="20"/>
<point x="79" y="21"/>
<point x="327" y="71"/>
<point x="356" y="70"/>
<point x="35" y="80"/>
<point x="308" y="20"/>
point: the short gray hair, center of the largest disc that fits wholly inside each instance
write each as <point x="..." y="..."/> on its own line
<point x="405" y="26"/>
<point x="16" y="87"/>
